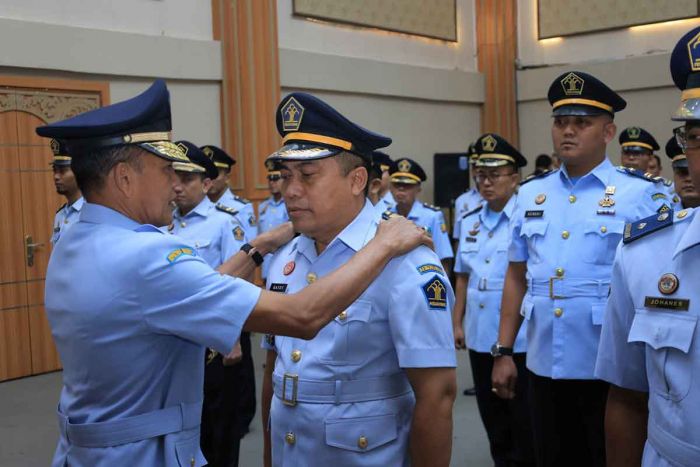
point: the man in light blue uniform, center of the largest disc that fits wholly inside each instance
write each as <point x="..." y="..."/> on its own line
<point x="382" y="161"/>
<point x="468" y="200"/>
<point x="566" y="226"/>
<point x="220" y="192"/>
<point x="649" y="349"/>
<point x="685" y="194"/>
<point x="132" y="308"/>
<point x="406" y="178"/>
<point x="273" y="211"/>
<point x="216" y="234"/>
<point x="65" y="183"/>
<point x="383" y="371"/>
<point x="480" y="267"/>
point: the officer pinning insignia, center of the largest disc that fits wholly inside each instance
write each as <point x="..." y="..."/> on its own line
<point x="289" y="268"/>
<point x="179" y="253"/>
<point x="238" y="233"/>
<point x="436" y="293"/>
<point x="668" y="283"/>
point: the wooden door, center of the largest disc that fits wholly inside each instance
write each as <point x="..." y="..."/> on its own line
<point x="28" y="201"/>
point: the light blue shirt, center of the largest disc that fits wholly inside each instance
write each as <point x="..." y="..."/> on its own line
<point x="483" y="255"/>
<point x="245" y="210"/>
<point x="65" y="217"/>
<point x="568" y="236"/>
<point x="131" y="310"/>
<point x="655" y="348"/>
<point x="397" y="323"/>
<point x="272" y="214"/>
<point x="217" y="235"/>
<point x="432" y="219"/>
<point x="464" y="203"/>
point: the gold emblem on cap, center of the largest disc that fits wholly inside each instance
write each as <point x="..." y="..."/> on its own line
<point x="693" y="45"/>
<point x="209" y="152"/>
<point x="634" y="132"/>
<point x="489" y="143"/>
<point x="572" y="84"/>
<point x="539" y="199"/>
<point x="55" y="147"/>
<point x="269" y="165"/>
<point x="182" y="148"/>
<point x="668" y="283"/>
<point x="404" y="166"/>
<point x="292" y="113"/>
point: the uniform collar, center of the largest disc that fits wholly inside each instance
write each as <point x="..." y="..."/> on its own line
<point x="507" y="212"/>
<point x="415" y="209"/>
<point x="355" y="235"/>
<point x="271" y="200"/>
<point x="202" y="209"/>
<point x="98" y="214"/>
<point x="78" y="204"/>
<point x="602" y="172"/>
<point x="691" y="236"/>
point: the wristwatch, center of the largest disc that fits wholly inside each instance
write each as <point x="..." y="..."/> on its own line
<point x="252" y="253"/>
<point x="497" y="350"/>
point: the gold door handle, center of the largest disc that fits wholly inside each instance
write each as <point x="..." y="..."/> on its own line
<point x="29" y="249"/>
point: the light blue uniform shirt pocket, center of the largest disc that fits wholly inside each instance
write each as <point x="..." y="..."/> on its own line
<point x="668" y="337"/>
<point x="349" y="334"/>
<point x="534" y="232"/>
<point x="361" y="434"/>
<point x="602" y="237"/>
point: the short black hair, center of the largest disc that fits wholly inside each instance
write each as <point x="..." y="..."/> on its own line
<point x="543" y="160"/>
<point x="91" y="167"/>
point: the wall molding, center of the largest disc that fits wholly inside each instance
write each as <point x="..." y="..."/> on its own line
<point x="44" y="46"/>
<point x="629" y="74"/>
<point x="322" y="72"/>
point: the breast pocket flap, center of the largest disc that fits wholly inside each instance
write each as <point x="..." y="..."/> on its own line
<point x="659" y="329"/>
<point x="604" y="227"/>
<point x="358" y="311"/>
<point x="361" y="434"/>
<point x="532" y="228"/>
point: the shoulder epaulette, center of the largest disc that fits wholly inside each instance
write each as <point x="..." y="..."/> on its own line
<point x="643" y="227"/>
<point x="431" y="207"/>
<point x="226" y="209"/>
<point x="240" y="199"/>
<point x="639" y="174"/>
<point x="473" y="211"/>
<point x="386" y="215"/>
<point x="532" y="177"/>
<point x="62" y="206"/>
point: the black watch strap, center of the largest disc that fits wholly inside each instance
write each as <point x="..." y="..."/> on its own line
<point x="253" y="253"/>
<point x="497" y="350"/>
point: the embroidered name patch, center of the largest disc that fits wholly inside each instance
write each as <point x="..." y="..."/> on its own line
<point x="534" y="214"/>
<point x="281" y="288"/>
<point x="470" y="239"/>
<point x="178" y="253"/>
<point x="429" y="267"/>
<point x="435" y="293"/>
<point x="675" y="304"/>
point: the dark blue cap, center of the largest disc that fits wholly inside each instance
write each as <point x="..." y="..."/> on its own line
<point x="312" y="129"/>
<point x="220" y="157"/>
<point x="578" y="93"/>
<point x="200" y="163"/>
<point x="407" y="171"/>
<point x="381" y="160"/>
<point x="61" y="158"/>
<point x="675" y="153"/>
<point x="143" y="120"/>
<point x="685" y="70"/>
<point x="494" y="151"/>
<point x="635" y="139"/>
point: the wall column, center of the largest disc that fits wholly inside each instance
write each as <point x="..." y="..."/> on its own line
<point x="250" y="90"/>
<point x="497" y="46"/>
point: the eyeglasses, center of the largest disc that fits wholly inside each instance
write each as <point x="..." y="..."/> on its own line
<point x="685" y="140"/>
<point x="491" y="177"/>
<point x="273" y="178"/>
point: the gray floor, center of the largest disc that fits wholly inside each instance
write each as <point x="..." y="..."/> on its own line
<point x="28" y="428"/>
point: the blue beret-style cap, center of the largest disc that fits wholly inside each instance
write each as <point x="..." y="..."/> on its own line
<point x="685" y="71"/>
<point x="199" y="162"/>
<point x="407" y="171"/>
<point x="312" y="129"/>
<point x="220" y="157"/>
<point x="635" y="138"/>
<point x="143" y="120"/>
<point x="579" y="93"/>
<point x="494" y="151"/>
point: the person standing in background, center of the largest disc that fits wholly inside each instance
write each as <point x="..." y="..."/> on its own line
<point x="66" y="185"/>
<point x="273" y="211"/>
<point x="685" y="191"/>
<point x="468" y="200"/>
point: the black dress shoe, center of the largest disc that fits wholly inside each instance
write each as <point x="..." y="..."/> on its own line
<point x="469" y="391"/>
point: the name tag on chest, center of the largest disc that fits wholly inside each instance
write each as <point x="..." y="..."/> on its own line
<point x="281" y="288"/>
<point x="530" y="214"/>
<point x="673" y="304"/>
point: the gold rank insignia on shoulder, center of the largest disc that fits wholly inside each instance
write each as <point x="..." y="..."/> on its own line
<point x="572" y="84"/>
<point x="539" y="199"/>
<point x="668" y="283"/>
<point x="435" y="293"/>
<point x="292" y="113"/>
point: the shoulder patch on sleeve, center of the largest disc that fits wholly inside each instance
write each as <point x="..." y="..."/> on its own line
<point x="643" y="227"/>
<point x="544" y="174"/>
<point x="179" y="253"/>
<point x="431" y="207"/>
<point x="430" y="267"/>
<point x="226" y="209"/>
<point x="238" y="233"/>
<point x="252" y="221"/>
<point x="473" y="211"/>
<point x="435" y="293"/>
<point x="656" y="196"/>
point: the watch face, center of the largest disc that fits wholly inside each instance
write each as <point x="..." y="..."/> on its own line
<point x="494" y="351"/>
